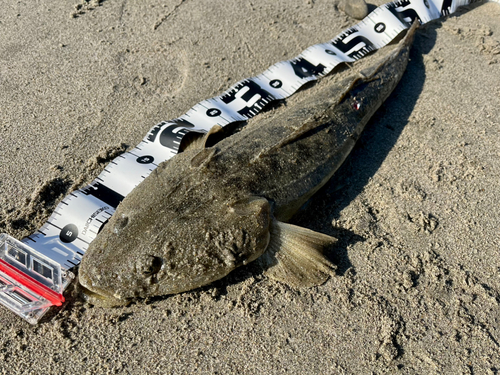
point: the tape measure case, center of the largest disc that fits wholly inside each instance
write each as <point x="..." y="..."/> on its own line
<point x="30" y="282"/>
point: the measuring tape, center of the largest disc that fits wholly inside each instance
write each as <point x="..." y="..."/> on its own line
<point x="35" y="271"/>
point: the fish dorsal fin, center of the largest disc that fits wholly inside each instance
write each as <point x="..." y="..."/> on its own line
<point x="198" y="141"/>
<point x="347" y="87"/>
<point x="203" y="157"/>
<point x="295" y="256"/>
<point x="315" y="122"/>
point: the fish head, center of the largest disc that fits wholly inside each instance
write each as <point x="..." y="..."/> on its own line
<point x="139" y="254"/>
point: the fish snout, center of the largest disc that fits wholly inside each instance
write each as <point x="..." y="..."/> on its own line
<point x="107" y="284"/>
<point x="96" y="296"/>
<point x="94" y="285"/>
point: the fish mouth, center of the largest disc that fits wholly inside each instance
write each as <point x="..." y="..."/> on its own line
<point x="99" y="298"/>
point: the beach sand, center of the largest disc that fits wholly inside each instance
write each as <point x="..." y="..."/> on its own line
<point x="415" y="206"/>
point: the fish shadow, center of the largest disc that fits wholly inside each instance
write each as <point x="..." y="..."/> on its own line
<point x="379" y="137"/>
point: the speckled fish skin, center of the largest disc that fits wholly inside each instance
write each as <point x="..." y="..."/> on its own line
<point x="206" y="212"/>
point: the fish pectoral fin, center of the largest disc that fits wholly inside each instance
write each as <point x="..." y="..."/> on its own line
<point x="295" y="256"/>
<point x="198" y="141"/>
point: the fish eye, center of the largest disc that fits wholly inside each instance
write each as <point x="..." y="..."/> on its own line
<point x="120" y="223"/>
<point x="152" y="266"/>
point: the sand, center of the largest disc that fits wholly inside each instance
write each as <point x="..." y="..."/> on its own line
<point x="415" y="206"/>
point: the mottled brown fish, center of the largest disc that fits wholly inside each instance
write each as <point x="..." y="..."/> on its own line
<point x="206" y="212"/>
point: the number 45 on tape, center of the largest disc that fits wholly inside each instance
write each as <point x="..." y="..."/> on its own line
<point x="30" y="282"/>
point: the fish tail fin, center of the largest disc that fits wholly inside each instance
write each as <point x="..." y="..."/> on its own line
<point x="295" y="256"/>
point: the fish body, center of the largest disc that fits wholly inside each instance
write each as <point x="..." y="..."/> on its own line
<point x="207" y="211"/>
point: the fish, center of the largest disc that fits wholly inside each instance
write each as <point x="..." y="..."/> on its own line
<point x="213" y="208"/>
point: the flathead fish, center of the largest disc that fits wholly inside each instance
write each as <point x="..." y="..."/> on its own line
<point x="209" y="210"/>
